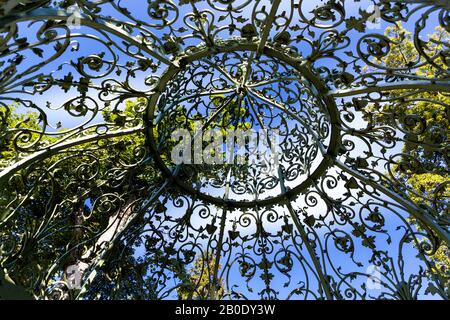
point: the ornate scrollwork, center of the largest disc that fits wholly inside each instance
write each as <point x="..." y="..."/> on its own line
<point x="354" y="206"/>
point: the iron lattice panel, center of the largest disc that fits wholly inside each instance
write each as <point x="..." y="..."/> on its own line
<point x="91" y="92"/>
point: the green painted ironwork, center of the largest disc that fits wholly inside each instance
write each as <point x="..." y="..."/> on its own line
<point x="91" y="91"/>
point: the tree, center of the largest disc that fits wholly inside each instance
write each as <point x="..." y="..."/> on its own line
<point x="201" y="284"/>
<point x="65" y="221"/>
<point x="426" y="122"/>
<point x="80" y="210"/>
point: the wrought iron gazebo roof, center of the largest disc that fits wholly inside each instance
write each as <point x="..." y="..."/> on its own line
<point x="91" y="92"/>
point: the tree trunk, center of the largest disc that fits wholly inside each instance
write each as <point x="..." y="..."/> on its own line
<point x="78" y="261"/>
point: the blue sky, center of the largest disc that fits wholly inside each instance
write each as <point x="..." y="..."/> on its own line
<point x="93" y="46"/>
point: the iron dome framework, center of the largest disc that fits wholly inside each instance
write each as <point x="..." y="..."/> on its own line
<point x="91" y="90"/>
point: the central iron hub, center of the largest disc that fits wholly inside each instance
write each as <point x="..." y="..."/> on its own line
<point x="231" y="89"/>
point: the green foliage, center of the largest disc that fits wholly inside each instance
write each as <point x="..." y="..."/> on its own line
<point x="76" y="222"/>
<point x="426" y="121"/>
<point x="56" y="208"/>
<point x="200" y="283"/>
